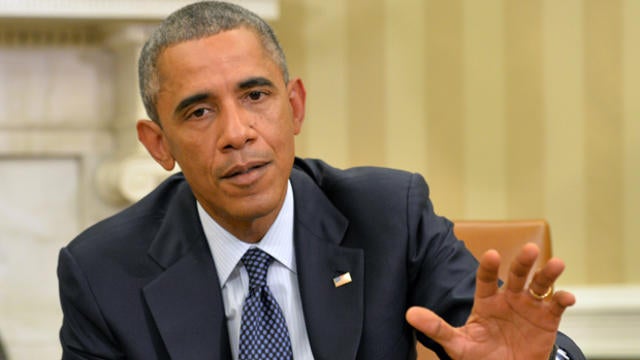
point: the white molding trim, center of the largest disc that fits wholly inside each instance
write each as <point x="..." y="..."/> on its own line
<point x="115" y="9"/>
<point x="605" y="321"/>
<point x="53" y="142"/>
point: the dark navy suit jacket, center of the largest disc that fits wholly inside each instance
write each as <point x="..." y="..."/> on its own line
<point x="142" y="284"/>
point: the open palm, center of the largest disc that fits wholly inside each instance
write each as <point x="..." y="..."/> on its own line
<point x="512" y="322"/>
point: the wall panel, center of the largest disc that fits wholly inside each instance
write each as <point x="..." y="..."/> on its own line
<point x="563" y="114"/>
<point x="631" y="139"/>
<point x="524" y="109"/>
<point x="604" y="139"/>
<point x="366" y="87"/>
<point x="405" y="117"/>
<point x="484" y="128"/>
<point x="444" y="98"/>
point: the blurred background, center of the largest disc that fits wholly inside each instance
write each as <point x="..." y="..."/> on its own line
<point x="510" y="109"/>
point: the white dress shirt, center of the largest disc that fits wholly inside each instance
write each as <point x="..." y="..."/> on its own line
<point x="282" y="278"/>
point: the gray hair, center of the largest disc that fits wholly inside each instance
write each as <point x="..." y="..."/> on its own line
<point x="196" y="21"/>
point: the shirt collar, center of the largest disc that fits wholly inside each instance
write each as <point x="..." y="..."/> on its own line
<point x="227" y="250"/>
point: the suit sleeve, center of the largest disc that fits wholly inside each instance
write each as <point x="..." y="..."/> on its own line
<point x="440" y="268"/>
<point x="84" y="334"/>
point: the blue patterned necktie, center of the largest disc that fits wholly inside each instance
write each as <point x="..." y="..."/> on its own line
<point x="263" y="331"/>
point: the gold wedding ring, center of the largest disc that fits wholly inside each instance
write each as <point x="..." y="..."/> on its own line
<point x="538" y="296"/>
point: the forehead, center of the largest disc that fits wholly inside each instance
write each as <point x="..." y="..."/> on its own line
<point x="220" y="55"/>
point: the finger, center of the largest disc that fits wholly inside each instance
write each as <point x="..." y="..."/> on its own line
<point x="544" y="278"/>
<point x="521" y="266"/>
<point x="487" y="276"/>
<point x="560" y="301"/>
<point x="430" y="324"/>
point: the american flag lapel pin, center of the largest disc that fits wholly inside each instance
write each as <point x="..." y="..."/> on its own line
<point x="342" y="279"/>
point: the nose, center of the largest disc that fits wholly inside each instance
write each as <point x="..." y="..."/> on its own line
<point x="236" y="128"/>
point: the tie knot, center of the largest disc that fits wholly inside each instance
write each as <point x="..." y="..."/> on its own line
<point x="257" y="264"/>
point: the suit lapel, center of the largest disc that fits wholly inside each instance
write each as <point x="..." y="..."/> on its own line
<point x="185" y="300"/>
<point x="333" y="315"/>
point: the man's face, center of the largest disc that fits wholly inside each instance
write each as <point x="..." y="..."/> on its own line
<point x="229" y="120"/>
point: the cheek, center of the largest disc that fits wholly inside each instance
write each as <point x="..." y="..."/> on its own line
<point x="189" y="150"/>
<point x="280" y="139"/>
<point x="284" y="125"/>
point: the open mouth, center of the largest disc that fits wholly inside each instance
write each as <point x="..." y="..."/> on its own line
<point x="243" y="169"/>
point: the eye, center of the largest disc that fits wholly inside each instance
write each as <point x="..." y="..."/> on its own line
<point x="256" y="95"/>
<point x="199" y="112"/>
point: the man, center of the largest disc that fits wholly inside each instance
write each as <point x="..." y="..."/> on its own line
<point x="353" y="259"/>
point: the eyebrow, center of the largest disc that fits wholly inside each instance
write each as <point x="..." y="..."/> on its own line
<point x="185" y="103"/>
<point x="254" y="82"/>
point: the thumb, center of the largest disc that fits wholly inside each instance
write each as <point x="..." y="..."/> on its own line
<point x="430" y="324"/>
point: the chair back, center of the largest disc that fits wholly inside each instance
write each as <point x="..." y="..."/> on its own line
<point x="507" y="237"/>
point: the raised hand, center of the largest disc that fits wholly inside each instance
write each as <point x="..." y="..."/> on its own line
<point x="512" y="322"/>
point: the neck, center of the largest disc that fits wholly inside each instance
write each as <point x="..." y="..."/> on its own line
<point x="247" y="230"/>
<point x="250" y="229"/>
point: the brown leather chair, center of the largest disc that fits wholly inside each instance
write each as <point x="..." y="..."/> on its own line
<point x="507" y="237"/>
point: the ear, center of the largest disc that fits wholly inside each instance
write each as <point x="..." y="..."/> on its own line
<point x="152" y="137"/>
<point x="297" y="99"/>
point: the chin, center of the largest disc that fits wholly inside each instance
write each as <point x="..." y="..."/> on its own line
<point x="256" y="207"/>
